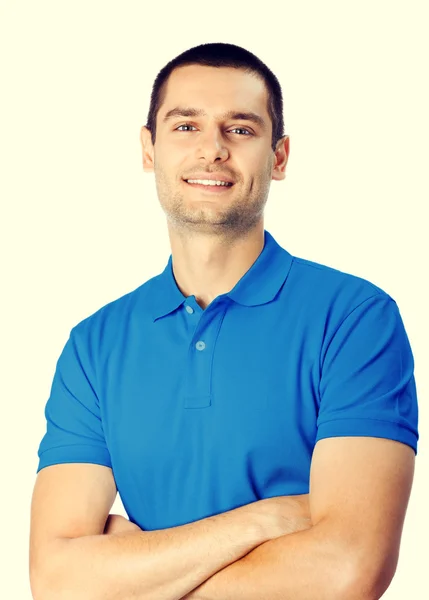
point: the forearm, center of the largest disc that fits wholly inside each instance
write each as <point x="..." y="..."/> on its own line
<point x="141" y="565"/>
<point x="298" y="566"/>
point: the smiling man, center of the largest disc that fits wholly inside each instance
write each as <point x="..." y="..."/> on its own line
<point x="214" y="125"/>
<point x="239" y="373"/>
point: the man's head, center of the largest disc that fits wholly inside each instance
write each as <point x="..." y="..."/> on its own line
<point x="215" y="79"/>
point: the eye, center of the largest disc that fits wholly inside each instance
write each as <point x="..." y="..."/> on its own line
<point x="235" y="128"/>
<point x="184" y="125"/>
<point x="241" y="129"/>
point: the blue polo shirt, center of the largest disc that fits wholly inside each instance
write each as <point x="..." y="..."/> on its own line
<point x="200" y="411"/>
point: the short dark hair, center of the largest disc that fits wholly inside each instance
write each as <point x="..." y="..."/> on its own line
<point x="221" y="55"/>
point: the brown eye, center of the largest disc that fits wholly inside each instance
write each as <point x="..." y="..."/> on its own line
<point x="184" y="125"/>
<point x="241" y="129"/>
<point x="235" y="128"/>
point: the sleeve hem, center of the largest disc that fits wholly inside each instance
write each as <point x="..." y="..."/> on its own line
<point x="367" y="427"/>
<point x="74" y="454"/>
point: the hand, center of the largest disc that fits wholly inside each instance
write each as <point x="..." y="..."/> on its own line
<point x="193" y="595"/>
<point x="118" y="523"/>
<point x="282" y="514"/>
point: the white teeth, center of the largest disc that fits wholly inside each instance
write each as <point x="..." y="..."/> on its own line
<point x="208" y="182"/>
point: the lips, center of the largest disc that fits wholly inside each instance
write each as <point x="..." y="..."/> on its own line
<point x="210" y="177"/>
<point x="228" y="183"/>
<point x="209" y="189"/>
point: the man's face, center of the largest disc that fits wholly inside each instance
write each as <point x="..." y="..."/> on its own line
<point x="238" y="149"/>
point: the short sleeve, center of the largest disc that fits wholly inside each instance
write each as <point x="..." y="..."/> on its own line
<point x="74" y="432"/>
<point x="367" y="385"/>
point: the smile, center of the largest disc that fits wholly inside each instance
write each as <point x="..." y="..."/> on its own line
<point x="208" y="182"/>
<point x="210" y="188"/>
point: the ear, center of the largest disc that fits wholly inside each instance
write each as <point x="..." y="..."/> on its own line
<point x="281" y="158"/>
<point x="147" y="150"/>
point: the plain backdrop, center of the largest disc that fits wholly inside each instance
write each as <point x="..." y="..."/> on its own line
<point x="81" y="225"/>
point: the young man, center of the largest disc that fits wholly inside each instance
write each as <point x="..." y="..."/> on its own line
<point x="240" y="373"/>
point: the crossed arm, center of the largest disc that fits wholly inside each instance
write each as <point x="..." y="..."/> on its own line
<point x="359" y="492"/>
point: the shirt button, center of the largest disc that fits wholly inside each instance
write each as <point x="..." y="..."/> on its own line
<point x="189" y="309"/>
<point x="200" y="345"/>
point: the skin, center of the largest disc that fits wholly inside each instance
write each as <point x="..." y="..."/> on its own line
<point x="352" y="549"/>
<point x="295" y="511"/>
<point x="214" y="238"/>
<point x="117" y="524"/>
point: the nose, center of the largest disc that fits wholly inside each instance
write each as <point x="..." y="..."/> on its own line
<point x="211" y="145"/>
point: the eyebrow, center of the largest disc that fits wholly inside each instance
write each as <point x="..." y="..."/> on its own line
<point x="230" y="114"/>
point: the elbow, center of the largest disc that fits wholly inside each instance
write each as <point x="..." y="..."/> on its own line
<point x="45" y="572"/>
<point x="41" y="589"/>
<point x="35" y="585"/>
<point x="37" y="577"/>
<point x="368" y="582"/>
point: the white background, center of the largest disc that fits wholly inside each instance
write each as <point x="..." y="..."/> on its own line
<point x="81" y="225"/>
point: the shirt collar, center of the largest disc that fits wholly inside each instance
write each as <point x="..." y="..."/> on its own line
<point x="259" y="285"/>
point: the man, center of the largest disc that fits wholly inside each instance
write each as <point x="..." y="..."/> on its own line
<point x="240" y="373"/>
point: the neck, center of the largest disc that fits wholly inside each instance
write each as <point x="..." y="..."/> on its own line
<point x="206" y="266"/>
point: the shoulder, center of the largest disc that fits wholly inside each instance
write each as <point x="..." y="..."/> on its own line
<point x="103" y="325"/>
<point x="330" y="292"/>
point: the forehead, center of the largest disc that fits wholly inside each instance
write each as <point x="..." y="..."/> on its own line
<point x="215" y="90"/>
